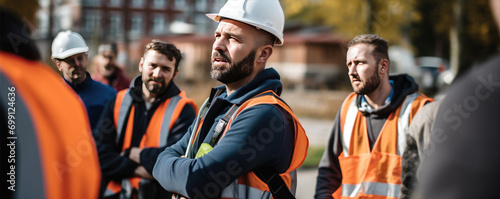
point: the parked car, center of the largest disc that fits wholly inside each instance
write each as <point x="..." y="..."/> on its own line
<point x="431" y="69"/>
<point x="403" y="61"/>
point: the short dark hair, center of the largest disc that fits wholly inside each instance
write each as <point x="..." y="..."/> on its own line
<point x="108" y="47"/>
<point x="166" y="48"/>
<point x="381" y="46"/>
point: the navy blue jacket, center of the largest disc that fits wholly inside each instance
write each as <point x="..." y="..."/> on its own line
<point x="95" y="96"/>
<point x="242" y="149"/>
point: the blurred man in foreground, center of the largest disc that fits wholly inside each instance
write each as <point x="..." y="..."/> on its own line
<point x="47" y="147"/>
<point x="464" y="162"/>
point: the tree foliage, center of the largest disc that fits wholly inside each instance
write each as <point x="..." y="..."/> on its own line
<point x="430" y="31"/>
<point x="427" y="24"/>
<point x="387" y="18"/>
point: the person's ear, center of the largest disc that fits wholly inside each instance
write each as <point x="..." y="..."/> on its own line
<point x="175" y="74"/>
<point x="384" y="66"/>
<point x="58" y="64"/>
<point x="140" y="64"/>
<point x="264" y="52"/>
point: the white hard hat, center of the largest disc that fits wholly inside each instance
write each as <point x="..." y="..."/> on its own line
<point x="263" y="14"/>
<point x="67" y="44"/>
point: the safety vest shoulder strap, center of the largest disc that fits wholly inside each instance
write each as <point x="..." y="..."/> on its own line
<point x="349" y="111"/>
<point x="346" y="105"/>
<point x="174" y="109"/>
<point x="167" y="115"/>
<point x="122" y="107"/>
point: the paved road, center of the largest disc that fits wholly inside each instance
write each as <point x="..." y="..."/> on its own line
<point x="318" y="131"/>
<point x="306" y="183"/>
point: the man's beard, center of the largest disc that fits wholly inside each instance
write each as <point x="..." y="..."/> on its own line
<point x="76" y="74"/>
<point x="371" y="84"/>
<point x="236" y="71"/>
<point x="156" y="88"/>
<point x="108" y="70"/>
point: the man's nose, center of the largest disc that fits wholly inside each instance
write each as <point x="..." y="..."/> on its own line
<point x="352" y="70"/>
<point x="156" y="72"/>
<point x="219" y="45"/>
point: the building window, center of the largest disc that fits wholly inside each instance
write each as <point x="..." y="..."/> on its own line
<point x="180" y="4"/>
<point x="91" y="19"/>
<point x="201" y="5"/>
<point x="137" y="3"/>
<point x="159" y="4"/>
<point x="91" y="2"/>
<point x="136" y="25"/>
<point x="158" y="24"/>
<point x="43" y="24"/>
<point x="115" y="25"/>
<point x="115" y="3"/>
<point x="216" y="6"/>
<point x="202" y="24"/>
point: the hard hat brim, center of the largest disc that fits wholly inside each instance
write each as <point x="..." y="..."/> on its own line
<point x="71" y="52"/>
<point x="216" y="17"/>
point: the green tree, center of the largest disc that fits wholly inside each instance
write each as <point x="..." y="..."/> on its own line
<point x="387" y="18"/>
<point x="462" y="31"/>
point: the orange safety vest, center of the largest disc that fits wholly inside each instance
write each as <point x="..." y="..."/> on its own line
<point x="376" y="173"/>
<point x="251" y="186"/>
<point x="156" y="135"/>
<point x="56" y="156"/>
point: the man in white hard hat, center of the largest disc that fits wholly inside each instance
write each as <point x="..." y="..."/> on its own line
<point x="69" y="52"/>
<point x="245" y="135"/>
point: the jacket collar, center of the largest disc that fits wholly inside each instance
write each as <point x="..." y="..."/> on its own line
<point x="268" y="79"/>
<point x="82" y="85"/>
<point x="403" y="86"/>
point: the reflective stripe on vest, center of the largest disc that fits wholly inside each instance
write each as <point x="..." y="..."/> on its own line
<point x="375" y="172"/>
<point x="160" y="124"/>
<point x="56" y="156"/>
<point x="371" y="188"/>
<point x="235" y="190"/>
<point x="28" y="158"/>
<point x="249" y="185"/>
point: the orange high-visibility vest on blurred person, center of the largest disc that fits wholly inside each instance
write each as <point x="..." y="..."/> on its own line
<point x="377" y="173"/>
<point x="56" y="156"/>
